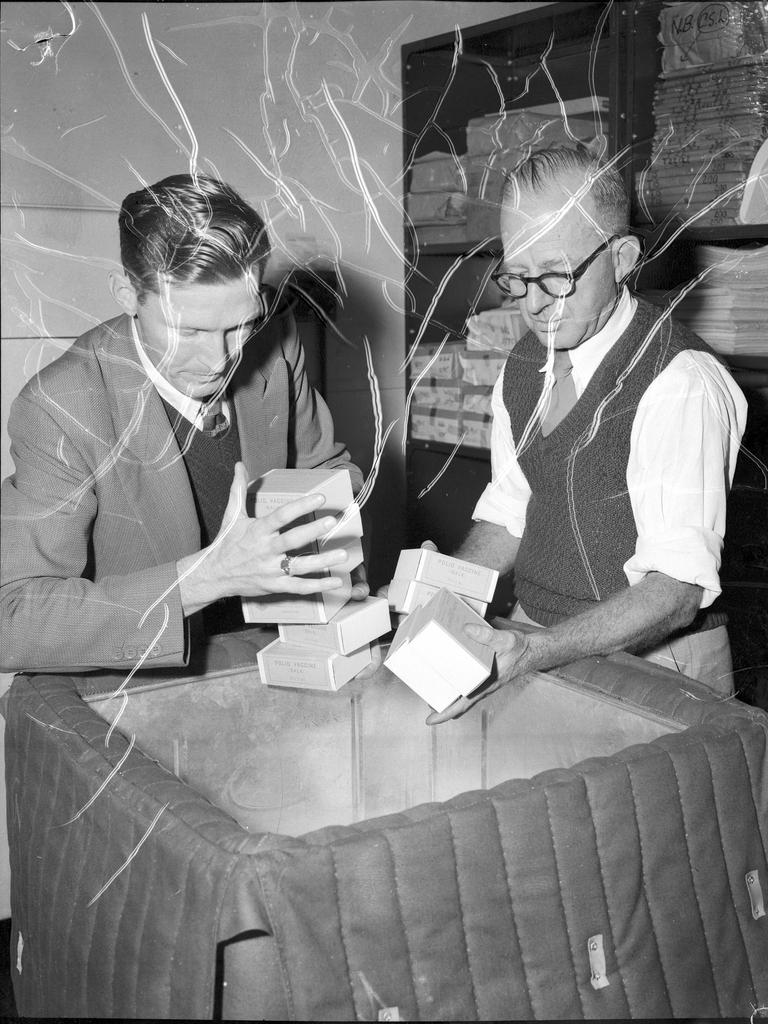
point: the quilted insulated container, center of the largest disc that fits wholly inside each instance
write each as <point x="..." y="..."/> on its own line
<point x="589" y="845"/>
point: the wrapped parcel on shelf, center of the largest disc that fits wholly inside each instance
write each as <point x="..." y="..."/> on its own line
<point x="495" y="329"/>
<point x="432" y="654"/>
<point x="711" y="111"/>
<point x="728" y="307"/>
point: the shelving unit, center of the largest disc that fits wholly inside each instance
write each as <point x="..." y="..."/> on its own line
<point x="591" y="48"/>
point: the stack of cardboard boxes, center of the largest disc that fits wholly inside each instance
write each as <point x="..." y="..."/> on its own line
<point x="431" y="651"/>
<point x="324" y="641"/>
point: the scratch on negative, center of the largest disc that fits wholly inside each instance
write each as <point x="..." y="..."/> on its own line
<point x="129" y="858"/>
<point x="102" y="787"/>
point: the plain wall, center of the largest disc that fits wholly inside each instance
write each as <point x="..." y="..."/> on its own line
<point x="296" y="105"/>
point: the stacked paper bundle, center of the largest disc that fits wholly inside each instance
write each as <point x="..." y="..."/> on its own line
<point x="420" y="573"/>
<point x="324" y="641"/>
<point x="496" y="143"/>
<point x="710" y="110"/>
<point x="436" y="203"/>
<point x="729" y="306"/>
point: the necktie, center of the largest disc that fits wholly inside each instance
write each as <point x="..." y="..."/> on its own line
<point x="213" y="421"/>
<point x="563" y="397"/>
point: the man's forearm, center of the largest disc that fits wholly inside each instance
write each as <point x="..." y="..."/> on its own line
<point x="635" y="619"/>
<point x="489" y="545"/>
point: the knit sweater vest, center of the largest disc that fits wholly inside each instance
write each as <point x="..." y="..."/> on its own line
<point x="579" y="527"/>
<point x="210" y="464"/>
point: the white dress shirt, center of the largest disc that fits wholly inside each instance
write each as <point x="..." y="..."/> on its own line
<point x="686" y="434"/>
<point x="190" y="408"/>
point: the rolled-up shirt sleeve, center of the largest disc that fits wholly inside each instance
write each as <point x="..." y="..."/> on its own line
<point x="505" y="500"/>
<point x="685" y="440"/>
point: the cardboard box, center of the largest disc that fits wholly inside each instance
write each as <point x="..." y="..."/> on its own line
<point x="279" y="486"/>
<point x="436" y="207"/>
<point x="481" y="367"/>
<point x="405" y="596"/>
<point x="439" y="172"/>
<point x="432" y="654"/>
<point x="440" y="570"/>
<point x="284" y="664"/>
<point x="319" y="608"/>
<point x="477" y="429"/>
<point x="435" y="424"/>
<point x="358" y="623"/>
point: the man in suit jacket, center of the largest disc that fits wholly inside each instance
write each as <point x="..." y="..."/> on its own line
<point x="126" y="515"/>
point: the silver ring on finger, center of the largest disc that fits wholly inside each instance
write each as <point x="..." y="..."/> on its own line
<point x="286" y="565"/>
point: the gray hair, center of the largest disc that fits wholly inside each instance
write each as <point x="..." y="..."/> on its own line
<point x="541" y="169"/>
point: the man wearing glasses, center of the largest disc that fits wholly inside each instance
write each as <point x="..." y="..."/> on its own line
<point x="126" y="513"/>
<point x="614" y="443"/>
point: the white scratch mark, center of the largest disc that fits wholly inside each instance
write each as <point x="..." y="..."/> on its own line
<point x="129" y="858"/>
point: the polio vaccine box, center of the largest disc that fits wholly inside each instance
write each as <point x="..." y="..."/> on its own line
<point x="279" y="486"/>
<point x="432" y="654"/>
<point x="288" y="664"/>
<point x="300" y="608"/>
<point x="405" y="596"/>
<point x="441" y="570"/>
<point x="357" y="624"/>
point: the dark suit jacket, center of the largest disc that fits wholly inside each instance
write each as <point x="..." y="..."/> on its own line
<point x="100" y="508"/>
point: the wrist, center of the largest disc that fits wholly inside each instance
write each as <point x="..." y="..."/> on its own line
<point x="196" y="588"/>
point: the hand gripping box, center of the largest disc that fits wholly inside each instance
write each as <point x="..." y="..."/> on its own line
<point x="300" y="608"/>
<point x="432" y="654"/>
<point x="279" y="486"/>
<point x="408" y="595"/>
<point x="357" y="624"/>
<point x="288" y="664"/>
<point x="440" y="570"/>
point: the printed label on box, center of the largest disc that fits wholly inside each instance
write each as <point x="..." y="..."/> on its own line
<point x="445" y="571"/>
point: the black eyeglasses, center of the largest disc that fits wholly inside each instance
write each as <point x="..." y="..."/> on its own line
<point x="557" y="286"/>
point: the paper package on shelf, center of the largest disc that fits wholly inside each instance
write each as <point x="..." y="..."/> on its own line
<point x="434" y="393"/>
<point x="702" y="34"/>
<point x="481" y="367"/>
<point x="519" y="130"/>
<point x="442" y="234"/>
<point x="728" y="308"/>
<point x="436" y="207"/>
<point x="437" y="362"/>
<point x="711" y="113"/>
<point x="439" y="172"/>
<point x="495" y="329"/>
<point x="476" y="429"/>
<point x="497" y="142"/>
<point x="430" y="424"/>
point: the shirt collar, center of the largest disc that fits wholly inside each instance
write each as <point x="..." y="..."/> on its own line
<point x="190" y="408"/>
<point x="586" y="357"/>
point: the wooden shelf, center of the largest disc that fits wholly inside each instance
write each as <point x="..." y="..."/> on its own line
<point x="444" y="448"/>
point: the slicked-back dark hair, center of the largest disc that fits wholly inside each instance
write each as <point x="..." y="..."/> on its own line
<point x="546" y="166"/>
<point x="187" y="230"/>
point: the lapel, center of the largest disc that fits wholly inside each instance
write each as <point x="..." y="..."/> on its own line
<point x="260" y="387"/>
<point x="147" y="458"/>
